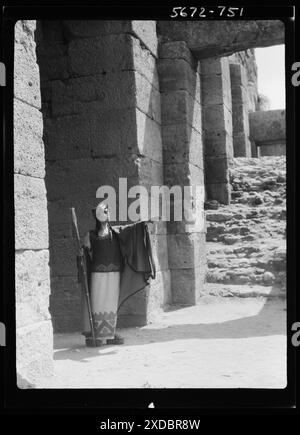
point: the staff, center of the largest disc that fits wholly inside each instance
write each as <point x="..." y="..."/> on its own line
<point x="84" y="273"/>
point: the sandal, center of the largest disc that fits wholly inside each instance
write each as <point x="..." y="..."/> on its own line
<point x="118" y="339"/>
<point x="90" y="343"/>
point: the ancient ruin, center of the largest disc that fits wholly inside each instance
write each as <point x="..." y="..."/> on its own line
<point x="156" y="102"/>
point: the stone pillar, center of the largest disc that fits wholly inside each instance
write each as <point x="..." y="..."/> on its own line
<point x="240" y="120"/>
<point x="217" y="127"/>
<point x="183" y="163"/>
<point x="34" y="335"/>
<point x="102" y="122"/>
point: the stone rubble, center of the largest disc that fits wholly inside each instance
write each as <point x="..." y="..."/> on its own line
<point x="246" y="240"/>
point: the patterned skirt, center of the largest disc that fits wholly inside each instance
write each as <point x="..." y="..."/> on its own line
<point x="105" y="288"/>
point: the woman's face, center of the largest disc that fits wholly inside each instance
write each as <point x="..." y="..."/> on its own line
<point x="102" y="213"/>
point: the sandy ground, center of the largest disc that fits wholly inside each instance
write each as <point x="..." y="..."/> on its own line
<point x="220" y="343"/>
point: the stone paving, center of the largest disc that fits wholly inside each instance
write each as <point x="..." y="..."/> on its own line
<point x="221" y="343"/>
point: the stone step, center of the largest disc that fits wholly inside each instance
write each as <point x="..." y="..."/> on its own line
<point x="244" y="291"/>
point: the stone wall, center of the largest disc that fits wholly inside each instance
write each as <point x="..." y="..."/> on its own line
<point x="101" y="107"/>
<point x="183" y="162"/>
<point x="34" y="335"/>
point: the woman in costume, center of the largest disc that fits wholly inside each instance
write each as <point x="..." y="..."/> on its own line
<point x="119" y="263"/>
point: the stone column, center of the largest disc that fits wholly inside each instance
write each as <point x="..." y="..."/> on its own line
<point x="240" y="119"/>
<point x="217" y="127"/>
<point x="34" y="335"/>
<point x="183" y="163"/>
<point x="102" y="116"/>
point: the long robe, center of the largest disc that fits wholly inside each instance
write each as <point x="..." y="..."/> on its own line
<point x="137" y="260"/>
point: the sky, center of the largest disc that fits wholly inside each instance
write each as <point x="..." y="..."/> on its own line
<point x="271" y="74"/>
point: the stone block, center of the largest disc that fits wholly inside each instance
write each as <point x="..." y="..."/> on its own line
<point x="111" y="54"/>
<point x="100" y="93"/>
<point x="183" y="174"/>
<point x="215" y="65"/>
<point x="220" y="192"/>
<point x="145" y="30"/>
<point x="32" y="287"/>
<point x="34" y="351"/>
<point x="215" y="90"/>
<point x="177" y="74"/>
<point x="81" y="178"/>
<point x="217" y="169"/>
<point x="159" y="294"/>
<point x="63" y="257"/>
<point x="217" y="118"/>
<point x="29" y="156"/>
<point x="179" y="107"/>
<point x="238" y="75"/>
<point x="160" y="251"/>
<point x="136" y="133"/>
<point x="218" y="144"/>
<point x="267" y="126"/>
<point x="220" y="38"/>
<point x="26" y="71"/>
<point x="67" y="137"/>
<point x="187" y="284"/>
<point x="239" y="95"/>
<point x="241" y="145"/>
<point x="66" y="313"/>
<point x="31" y="218"/>
<point x="53" y="61"/>
<point x="177" y="50"/>
<point x="186" y="250"/>
<point x="182" y="143"/>
<point x="240" y="121"/>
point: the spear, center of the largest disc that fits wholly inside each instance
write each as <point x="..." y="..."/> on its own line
<point x="85" y="287"/>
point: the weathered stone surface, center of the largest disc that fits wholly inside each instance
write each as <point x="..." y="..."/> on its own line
<point x="238" y="75"/>
<point x="144" y="30"/>
<point x="63" y="177"/>
<point x="218" y="144"/>
<point x="180" y="107"/>
<point x="34" y="351"/>
<point x="32" y="287"/>
<point x="182" y="143"/>
<point x="67" y="137"/>
<point x="159" y="294"/>
<point x="217" y="169"/>
<point x="53" y="60"/>
<point x="31" y="221"/>
<point x="183" y="174"/>
<point x="187" y="250"/>
<point x="214" y="38"/>
<point x="273" y="148"/>
<point x="217" y="118"/>
<point x="215" y="90"/>
<point x="267" y="126"/>
<point x="177" y="74"/>
<point x="219" y="192"/>
<point x="29" y="156"/>
<point x="26" y="72"/>
<point x="177" y="50"/>
<point x="187" y="285"/>
<point x="97" y="93"/>
<point x="66" y="309"/>
<point x="63" y="257"/>
<point x="160" y="252"/>
<point x="111" y="53"/>
<point x="241" y="145"/>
